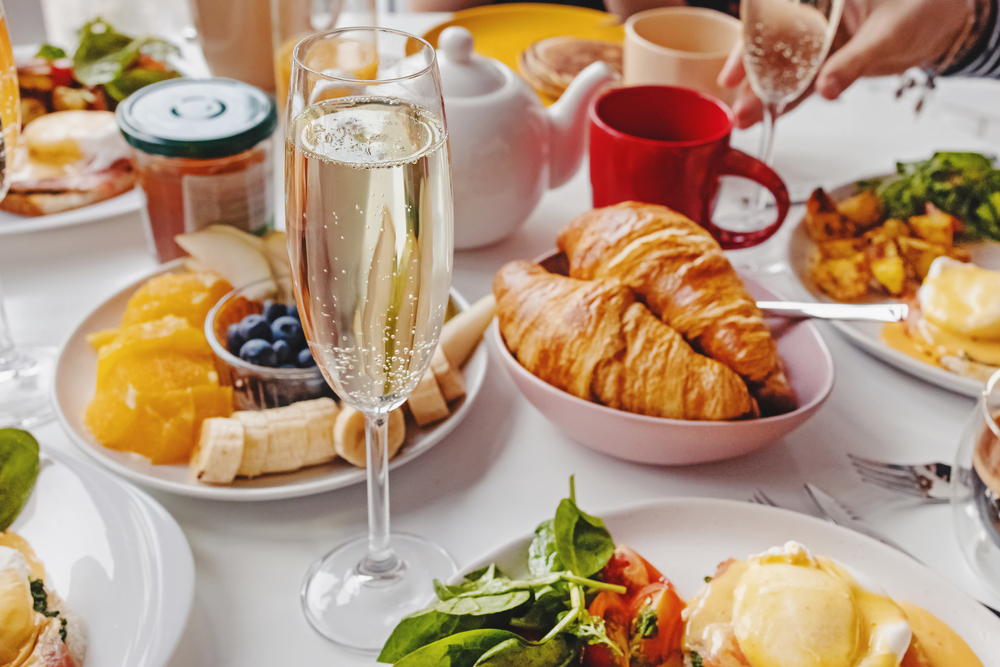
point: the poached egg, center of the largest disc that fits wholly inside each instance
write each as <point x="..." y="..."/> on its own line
<point x="68" y="143"/>
<point x="958" y="324"/>
<point x="788" y="608"/>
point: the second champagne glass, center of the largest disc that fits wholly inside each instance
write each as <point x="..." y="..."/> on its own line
<point x="369" y="217"/>
<point x="784" y="44"/>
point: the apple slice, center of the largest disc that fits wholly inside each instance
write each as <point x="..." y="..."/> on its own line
<point x="228" y="255"/>
<point x="254" y="241"/>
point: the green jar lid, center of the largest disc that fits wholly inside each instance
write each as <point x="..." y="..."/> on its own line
<point x="199" y="119"/>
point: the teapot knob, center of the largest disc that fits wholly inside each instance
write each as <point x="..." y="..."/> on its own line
<point x="457" y="44"/>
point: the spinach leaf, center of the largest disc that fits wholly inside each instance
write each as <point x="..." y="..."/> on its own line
<point x="549" y="602"/>
<point x="18" y="472"/>
<point x="583" y="544"/>
<point x="422" y="628"/>
<point x="517" y="652"/>
<point x="459" y="650"/>
<point x="543" y="553"/>
<point x="105" y="56"/>
<point x="40" y="603"/>
<point x="474" y="581"/>
<point x="482" y="605"/>
<point x="50" y="52"/>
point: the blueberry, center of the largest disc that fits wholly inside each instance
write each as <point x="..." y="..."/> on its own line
<point x="289" y="330"/>
<point x="283" y="352"/>
<point x="255" y="326"/>
<point x="293" y="311"/>
<point x="273" y="311"/>
<point x="288" y="366"/>
<point x="258" y="352"/>
<point x="306" y="358"/>
<point x="234" y="339"/>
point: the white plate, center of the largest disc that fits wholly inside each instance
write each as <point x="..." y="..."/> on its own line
<point x="76" y="371"/>
<point x="128" y="202"/>
<point x="867" y="335"/>
<point x="686" y="538"/>
<point x="116" y="557"/>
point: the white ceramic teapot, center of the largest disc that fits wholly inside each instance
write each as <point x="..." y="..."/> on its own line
<point x="506" y="147"/>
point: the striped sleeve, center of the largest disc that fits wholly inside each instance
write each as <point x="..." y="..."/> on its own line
<point x="984" y="60"/>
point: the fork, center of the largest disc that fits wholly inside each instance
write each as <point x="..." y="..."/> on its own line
<point x="929" y="481"/>
<point x="760" y="498"/>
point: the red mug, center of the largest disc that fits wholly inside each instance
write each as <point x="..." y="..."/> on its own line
<point x="669" y="146"/>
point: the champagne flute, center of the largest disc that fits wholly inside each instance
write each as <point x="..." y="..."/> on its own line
<point x="24" y="371"/>
<point x="784" y="44"/>
<point x="369" y="218"/>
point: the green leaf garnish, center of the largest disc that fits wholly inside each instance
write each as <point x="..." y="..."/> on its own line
<point x="50" y="52"/>
<point x="18" y="472"/>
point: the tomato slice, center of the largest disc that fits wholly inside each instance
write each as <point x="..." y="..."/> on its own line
<point x="661" y="599"/>
<point x="629" y="569"/>
<point x="612" y="608"/>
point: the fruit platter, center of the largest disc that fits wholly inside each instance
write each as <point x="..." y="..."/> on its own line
<point x="228" y="418"/>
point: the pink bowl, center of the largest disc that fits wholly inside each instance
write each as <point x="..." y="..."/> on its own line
<point x="675" y="441"/>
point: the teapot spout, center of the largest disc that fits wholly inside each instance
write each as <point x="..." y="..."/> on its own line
<point x="568" y="122"/>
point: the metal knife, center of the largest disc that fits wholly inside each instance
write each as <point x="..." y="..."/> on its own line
<point x="858" y="312"/>
<point x="836" y="512"/>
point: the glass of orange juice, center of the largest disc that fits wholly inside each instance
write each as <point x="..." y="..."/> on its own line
<point x="25" y="372"/>
<point x="294" y="20"/>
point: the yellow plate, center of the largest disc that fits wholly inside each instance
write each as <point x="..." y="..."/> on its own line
<point x="504" y="31"/>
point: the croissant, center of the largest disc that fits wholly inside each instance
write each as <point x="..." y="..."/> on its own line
<point x="595" y="341"/>
<point x="679" y="270"/>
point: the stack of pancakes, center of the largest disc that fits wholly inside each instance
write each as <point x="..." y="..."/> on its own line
<point x="551" y="64"/>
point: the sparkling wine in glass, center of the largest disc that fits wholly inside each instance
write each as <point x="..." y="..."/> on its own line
<point x="975" y="486"/>
<point x="25" y="372"/>
<point x="784" y="44"/>
<point x="369" y="218"/>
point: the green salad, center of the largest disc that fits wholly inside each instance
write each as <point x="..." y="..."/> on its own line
<point x="584" y="601"/>
<point x="966" y="185"/>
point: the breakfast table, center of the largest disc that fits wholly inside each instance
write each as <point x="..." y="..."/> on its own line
<point x="505" y="467"/>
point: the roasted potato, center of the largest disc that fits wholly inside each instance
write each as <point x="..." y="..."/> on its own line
<point x="822" y="220"/>
<point x="919" y="254"/>
<point x="863" y="209"/>
<point x="31" y="109"/>
<point x="839" y="248"/>
<point x="934" y="227"/>
<point x="844" y="279"/>
<point x="889" y="230"/>
<point x="65" y="98"/>
<point x="887" y="266"/>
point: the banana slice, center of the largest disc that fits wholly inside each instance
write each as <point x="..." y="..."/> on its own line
<point x="450" y="380"/>
<point x="426" y="403"/>
<point x="289" y="439"/>
<point x="349" y="435"/>
<point x="460" y="335"/>
<point x="256" y="442"/>
<point x="219" y="451"/>
<point x="320" y="415"/>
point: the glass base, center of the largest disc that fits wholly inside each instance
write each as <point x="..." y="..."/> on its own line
<point x="358" y="610"/>
<point x="25" y="383"/>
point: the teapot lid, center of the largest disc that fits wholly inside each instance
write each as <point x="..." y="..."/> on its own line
<point x="464" y="73"/>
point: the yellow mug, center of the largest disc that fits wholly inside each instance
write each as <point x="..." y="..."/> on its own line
<point x="680" y="46"/>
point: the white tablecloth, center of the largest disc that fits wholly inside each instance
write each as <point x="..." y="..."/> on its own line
<point x="505" y="468"/>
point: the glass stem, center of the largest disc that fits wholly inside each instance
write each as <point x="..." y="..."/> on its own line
<point x="765" y="153"/>
<point x="380" y="560"/>
<point x="7" y="351"/>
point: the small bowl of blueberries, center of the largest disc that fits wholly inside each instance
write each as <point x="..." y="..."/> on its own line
<point x="260" y="347"/>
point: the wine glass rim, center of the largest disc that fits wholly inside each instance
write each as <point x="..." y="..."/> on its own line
<point x="991" y="385"/>
<point x="346" y="79"/>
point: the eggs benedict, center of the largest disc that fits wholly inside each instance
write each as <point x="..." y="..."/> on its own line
<point x="955" y="322"/>
<point x="789" y="608"/>
<point x="36" y="629"/>
<point x="68" y="159"/>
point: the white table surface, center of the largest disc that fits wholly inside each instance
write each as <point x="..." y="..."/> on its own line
<point x="505" y="468"/>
